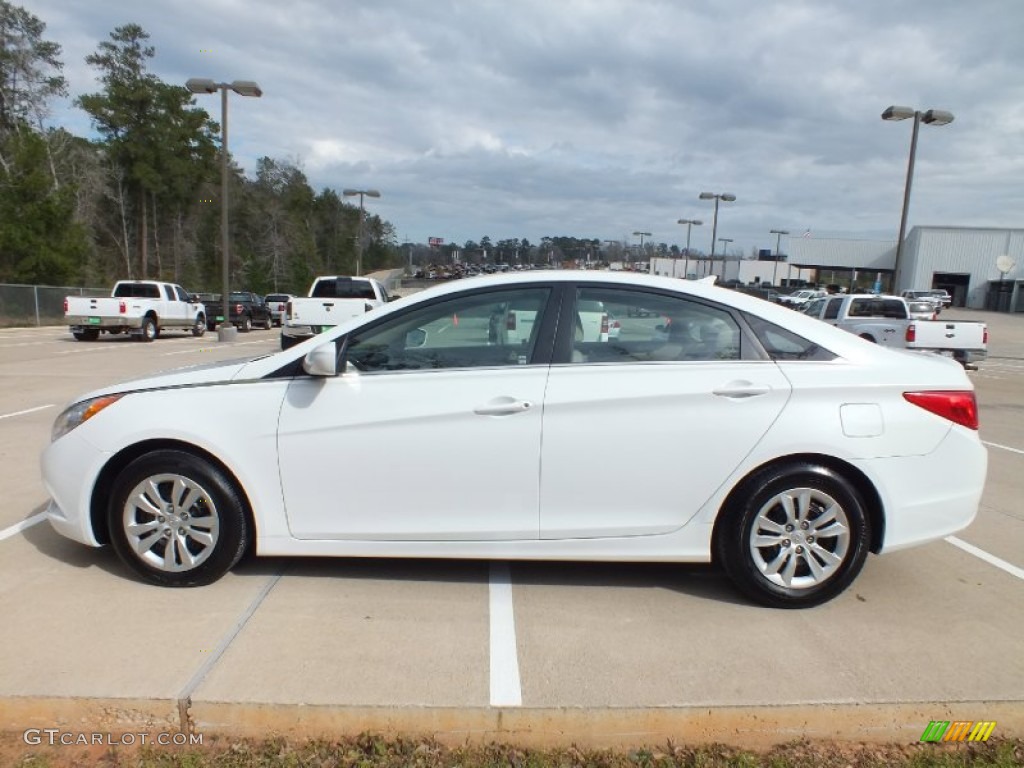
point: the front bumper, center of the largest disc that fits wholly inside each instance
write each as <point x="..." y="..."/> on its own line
<point x="70" y="467"/>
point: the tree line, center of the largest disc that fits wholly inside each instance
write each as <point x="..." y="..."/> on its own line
<point x="141" y="198"/>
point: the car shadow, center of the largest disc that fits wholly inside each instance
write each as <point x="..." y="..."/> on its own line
<point x="702" y="581"/>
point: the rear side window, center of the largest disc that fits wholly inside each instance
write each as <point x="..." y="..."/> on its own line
<point x="344" y="288"/>
<point x="782" y="344"/>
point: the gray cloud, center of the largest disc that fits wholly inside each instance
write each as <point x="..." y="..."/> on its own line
<point x="594" y="118"/>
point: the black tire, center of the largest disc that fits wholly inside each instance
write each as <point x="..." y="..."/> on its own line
<point x="245" y="325"/>
<point x="215" y="512"/>
<point x="830" y="499"/>
<point x="86" y="334"/>
<point x="149" y="330"/>
<point x="268" y="324"/>
<point x="200" y="326"/>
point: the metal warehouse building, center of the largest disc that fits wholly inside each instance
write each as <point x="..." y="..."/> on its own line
<point x="966" y="261"/>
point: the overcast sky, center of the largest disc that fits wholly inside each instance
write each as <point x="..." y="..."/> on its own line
<point x="598" y="118"/>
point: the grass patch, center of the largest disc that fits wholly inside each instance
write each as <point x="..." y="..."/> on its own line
<point x="376" y="752"/>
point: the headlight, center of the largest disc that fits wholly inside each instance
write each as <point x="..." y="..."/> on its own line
<point x="79" y="413"/>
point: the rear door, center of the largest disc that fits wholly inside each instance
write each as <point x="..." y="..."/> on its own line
<point x="641" y="429"/>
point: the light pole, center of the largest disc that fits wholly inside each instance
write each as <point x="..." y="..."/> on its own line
<point x="642" y="235"/>
<point x="725" y="197"/>
<point x="725" y="255"/>
<point x="689" y="227"/>
<point x="778" y="244"/>
<point x="929" y="117"/>
<point x="359" y="242"/>
<point x="225" y="331"/>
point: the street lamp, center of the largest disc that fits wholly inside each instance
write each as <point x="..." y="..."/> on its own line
<point x="689" y="226"/>
<point x="725" y="255"/>
<point x="929" y="117"/>
<point x="725" y="197"/>
<point x="778" y="243"/>
<point x="642" y="235"/>
<point x="359" y="243"/>
<point x="225" y="331"/>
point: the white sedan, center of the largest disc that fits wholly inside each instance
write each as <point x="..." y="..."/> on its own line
<point x="774" y="444"/>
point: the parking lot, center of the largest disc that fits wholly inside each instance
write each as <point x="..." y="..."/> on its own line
<point x="602" y="654"/>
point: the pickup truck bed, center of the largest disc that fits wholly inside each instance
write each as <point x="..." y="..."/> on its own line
<point x="332" y="300"/>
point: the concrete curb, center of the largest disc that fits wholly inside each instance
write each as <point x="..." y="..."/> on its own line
<point x="751" y="727"/>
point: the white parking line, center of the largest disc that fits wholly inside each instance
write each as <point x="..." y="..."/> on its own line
<point x="506" y="690"/>
<point x="29" y="410"/>
<point x="1004" y="447"/>
<point x="28" y="522"/>
<point x="1011" y="569"/>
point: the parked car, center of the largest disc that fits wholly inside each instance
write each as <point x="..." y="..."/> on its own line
<point x="778" y="446"/>
<point x="332" y="300"/>
<point x="141" y="308"/>
<point x="886" y="320"/>
<point x="799" y="298"/>
<point x="248" y="310"/>
<point x="923" y="309"/>
<point x="278" y="305"/>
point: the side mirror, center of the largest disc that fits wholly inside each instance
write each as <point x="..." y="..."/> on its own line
<point x="415" y="338"/>
<point x="322" y="360"/>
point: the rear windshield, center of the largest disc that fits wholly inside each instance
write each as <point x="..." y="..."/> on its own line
<point x="343" y="288"/>
<point x="888" y="308"/>
<point x="277" y="297"/>
<point x="137" y="291"/>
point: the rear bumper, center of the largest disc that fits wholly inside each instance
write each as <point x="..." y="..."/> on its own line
<point x="953" y="478"/>
<point x="84" y="322"/>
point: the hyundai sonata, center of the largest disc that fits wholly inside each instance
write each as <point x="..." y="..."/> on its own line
<point x="462" y="422"/>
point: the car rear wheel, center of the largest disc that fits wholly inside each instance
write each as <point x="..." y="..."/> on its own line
<point x="245" y="325"/>
<point x="149" y="329"/>
<point x="794" y="536"/>
<point x="86" y="334"/>
<point x="200" y="326"/>
<point x="177" y="520"/>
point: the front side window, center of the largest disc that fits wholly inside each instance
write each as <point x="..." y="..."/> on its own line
<point x="832" y="310"/>
<point x="623" y="325"/>
<point x="497" y="328"/>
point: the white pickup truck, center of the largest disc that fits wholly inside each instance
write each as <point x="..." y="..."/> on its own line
<point x="886" y="320"/>
<point x="331" y="301"/>
<point x="142" y="308"/>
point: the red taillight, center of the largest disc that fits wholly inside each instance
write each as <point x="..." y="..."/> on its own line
<point x="65" y="306"/>
<point x="238" y="309"/>
<point x="122" y="307"/>
<point x="911" y="332"/>
<point x="604" y="325"/>
<point x="958" y="406"/>
<point x="984" y="335"/>
<point x="616" y="324"/>
<point x="510" y="322"/>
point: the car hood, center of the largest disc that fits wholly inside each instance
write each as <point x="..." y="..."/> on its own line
<point x="193" y="375"/>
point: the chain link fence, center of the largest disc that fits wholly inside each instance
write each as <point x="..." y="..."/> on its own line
<point x="27" y="305"/>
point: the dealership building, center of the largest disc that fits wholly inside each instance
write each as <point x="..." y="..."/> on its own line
<point x="982" y="268"/>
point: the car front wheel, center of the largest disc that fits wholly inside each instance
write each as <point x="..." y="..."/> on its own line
<point x="795" y="536"/>
<point x="177" y="520"/>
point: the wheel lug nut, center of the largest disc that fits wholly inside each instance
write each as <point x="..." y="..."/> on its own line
<point x="805" y="526"/>
<point x="785" y="542"/>
<point x="810" y="539"/>
<point x="161" y="518"/>
<point x="789" y="528"/>
<point x="799" y="550"/>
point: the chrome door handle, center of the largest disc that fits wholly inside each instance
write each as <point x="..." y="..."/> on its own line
<point x="504" y="407"/>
